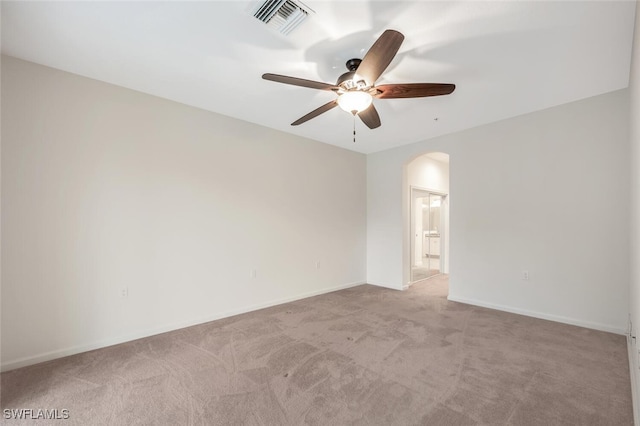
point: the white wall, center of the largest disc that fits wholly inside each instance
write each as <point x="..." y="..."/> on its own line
<point x="104" y="188"/>
<point x="531" y="192"/>
<point x="634" y="255"/>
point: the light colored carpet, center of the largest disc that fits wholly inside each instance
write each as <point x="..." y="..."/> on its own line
<point x="365" y="355"/>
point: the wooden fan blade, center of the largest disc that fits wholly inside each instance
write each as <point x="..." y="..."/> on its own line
<point x="316" y="112"/>
<point x="413" y="90"/>
<point x="299" y="82"/>
<point x="370" y="117"/>
<point x="379" y="56"/>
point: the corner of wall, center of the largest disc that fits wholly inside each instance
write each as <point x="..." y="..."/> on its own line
<point x="634" y="222"/>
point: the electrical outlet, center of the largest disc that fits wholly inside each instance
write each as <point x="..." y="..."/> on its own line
<point x="252" y="274"/>
<point x="124" y="292"/>
<point x="317" y="264"/>
<point x="525" y="275"/>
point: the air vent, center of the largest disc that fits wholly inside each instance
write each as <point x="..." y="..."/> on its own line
<point x="282" y="15"/>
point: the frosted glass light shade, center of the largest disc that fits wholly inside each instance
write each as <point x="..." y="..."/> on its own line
<point x="355" y="101"/>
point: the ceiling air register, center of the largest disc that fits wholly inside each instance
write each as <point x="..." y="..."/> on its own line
<point x="282" y="15"/>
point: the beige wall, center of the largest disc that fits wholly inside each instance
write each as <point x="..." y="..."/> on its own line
<point x="528" y="193"/>
<point x="105" y="188"/>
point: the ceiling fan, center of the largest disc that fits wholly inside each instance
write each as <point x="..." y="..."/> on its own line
<point x="356" y="88"/>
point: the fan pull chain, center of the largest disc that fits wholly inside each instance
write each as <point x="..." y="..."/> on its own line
<point x="354" y="128"/>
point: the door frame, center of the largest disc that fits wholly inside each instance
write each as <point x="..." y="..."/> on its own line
<point x="412" y="212"/>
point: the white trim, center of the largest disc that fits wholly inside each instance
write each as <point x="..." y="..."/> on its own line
<point x="541" y="315"/>
<point x="59" y="353"/>
<point x="422" y="188"/>
<point x="633" y="373"/>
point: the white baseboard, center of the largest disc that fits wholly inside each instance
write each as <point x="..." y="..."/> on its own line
<point x="541" y="315"/>
<point x="59" y="353"/>
<point x="633" y="373"/>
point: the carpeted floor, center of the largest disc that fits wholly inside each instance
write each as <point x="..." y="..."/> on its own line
<point x="365" y="355"/>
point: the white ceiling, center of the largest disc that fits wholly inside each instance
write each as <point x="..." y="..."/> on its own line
<point x="506" y="57"/>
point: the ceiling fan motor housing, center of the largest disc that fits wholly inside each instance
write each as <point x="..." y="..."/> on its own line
<point x="346" y="80"/>
<point x="353" y="64"/>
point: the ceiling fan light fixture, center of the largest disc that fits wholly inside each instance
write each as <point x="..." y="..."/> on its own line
<point x="356" y="88"/>
<point x="355" y="100"/>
